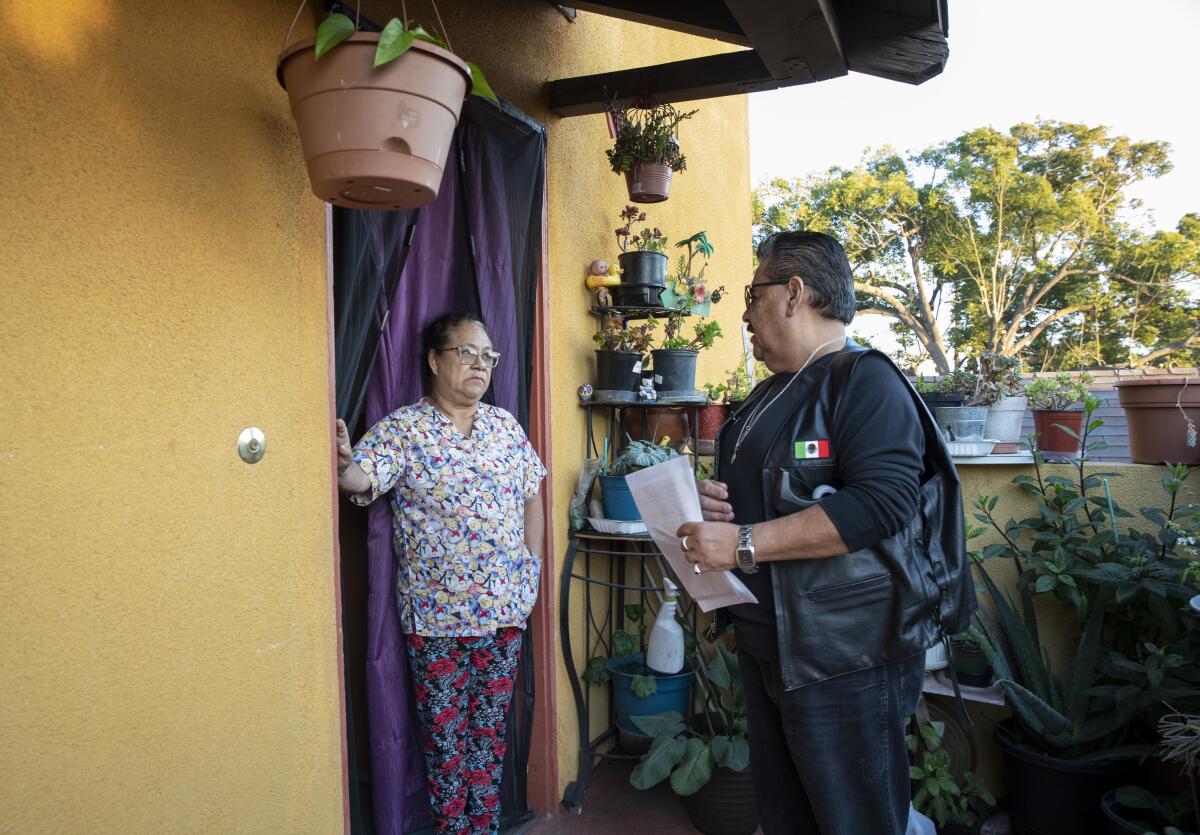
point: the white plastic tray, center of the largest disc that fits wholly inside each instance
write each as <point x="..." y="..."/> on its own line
<point x="971" y="449"/>
<point x="616" y="525"/>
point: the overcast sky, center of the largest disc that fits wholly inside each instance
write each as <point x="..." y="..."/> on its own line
<point x="1131" y="66"/>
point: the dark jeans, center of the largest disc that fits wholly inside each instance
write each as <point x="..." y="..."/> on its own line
<point x="829" y="758"/>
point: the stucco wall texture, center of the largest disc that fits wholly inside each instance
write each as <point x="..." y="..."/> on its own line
<point x="169" y="660"/>
<point x="170" y="656"/>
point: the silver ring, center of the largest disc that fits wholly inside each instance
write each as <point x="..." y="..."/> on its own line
<point x="696" y="568"/>
<point x="683" y="543"/>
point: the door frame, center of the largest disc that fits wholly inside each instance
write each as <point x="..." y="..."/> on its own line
<point x="542" y="781"/>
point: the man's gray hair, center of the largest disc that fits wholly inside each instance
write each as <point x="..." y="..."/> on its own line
<point x="821" y="262"/>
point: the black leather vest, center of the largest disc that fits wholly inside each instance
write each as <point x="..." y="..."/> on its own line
<point x="883" y="603"/>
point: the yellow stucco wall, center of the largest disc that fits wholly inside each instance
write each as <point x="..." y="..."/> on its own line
<point x="170" y="655"/>
<point x="169" y="659"/>
<point x="1135" y="487"/>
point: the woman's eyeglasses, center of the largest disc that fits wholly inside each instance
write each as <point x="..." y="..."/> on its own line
<point x="750" y="288"/>
<point x="469" y="354"/>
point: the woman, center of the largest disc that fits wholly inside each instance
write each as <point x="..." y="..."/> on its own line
<point x="468" y="523"/>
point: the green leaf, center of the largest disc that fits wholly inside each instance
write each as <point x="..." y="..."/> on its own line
<point x="479" y="85"/>
<point x="1045" y="583"/>
<point x="739" y="755"/>
<point x="656" y="764"/>
<point x="332" y="31"/>
<point x="394" y="41"/>
<point x="718" y="669"/>
<point x="596" y="671"/>
<point x="429" y="37"/>
<point x="915" y="773"/>
<point x="669" y="722"/>
<point x="634" y="612"/>
<point x="644" y="686"/>
<point x="694" y="770"/>
<point x="624" y="644"/>
<point x="721" y="747"/>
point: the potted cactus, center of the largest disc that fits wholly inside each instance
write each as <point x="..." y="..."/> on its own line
<point x="376" y="110"/>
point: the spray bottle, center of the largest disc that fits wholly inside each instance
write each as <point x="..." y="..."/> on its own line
<point x="664" y="650"/>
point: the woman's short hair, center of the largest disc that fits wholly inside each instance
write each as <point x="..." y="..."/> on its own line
<point x="436" y="337"/>
<point x="821" y="262"/>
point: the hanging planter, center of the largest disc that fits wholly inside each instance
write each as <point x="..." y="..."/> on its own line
<point x="375" y="110"/>
<point x="646" y="149"/>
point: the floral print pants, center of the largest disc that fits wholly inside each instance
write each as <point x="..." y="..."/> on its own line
<point x="463" y="687"/>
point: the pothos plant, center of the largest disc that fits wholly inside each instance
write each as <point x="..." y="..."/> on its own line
<point x="688" y="752"/>
<point x="396" y="39"/>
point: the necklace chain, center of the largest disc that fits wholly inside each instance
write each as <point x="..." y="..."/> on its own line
<point x="761" y="410"/>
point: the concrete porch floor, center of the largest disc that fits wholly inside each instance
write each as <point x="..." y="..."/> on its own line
<point x="611" y="805"/>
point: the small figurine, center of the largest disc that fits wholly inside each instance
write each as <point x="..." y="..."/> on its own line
<point x="646" y="390"/>
<point x="603" y="298"/>
<point x="585" y="393"/>
<point x="602" y="274"/>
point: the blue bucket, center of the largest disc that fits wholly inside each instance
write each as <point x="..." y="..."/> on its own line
<point x="673" y="692"/>
<point x="617" y="500"/>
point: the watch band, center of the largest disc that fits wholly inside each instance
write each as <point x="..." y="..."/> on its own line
<point x="745" y="550"/>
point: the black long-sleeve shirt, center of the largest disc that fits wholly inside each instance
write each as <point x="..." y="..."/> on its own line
<point x="877" y="445"/>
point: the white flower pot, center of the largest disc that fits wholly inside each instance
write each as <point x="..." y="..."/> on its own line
<point x="1004" y="419"/>
<point x="935" y="657"/>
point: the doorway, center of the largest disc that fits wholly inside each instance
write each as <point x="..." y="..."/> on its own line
<point x="479" y="248"/>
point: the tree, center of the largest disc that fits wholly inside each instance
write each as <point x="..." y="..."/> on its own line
<point x="1007" y="242"/>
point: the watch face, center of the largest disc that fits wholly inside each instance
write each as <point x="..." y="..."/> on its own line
<point x="745" y="559"/>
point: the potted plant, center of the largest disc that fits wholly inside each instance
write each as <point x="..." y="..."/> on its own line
<point x="620" y="351"/>
<point x="955" y="805"/>
<point x="675" y="358"/>
<point x="951" y="389"/>
<point x="957" y="414"/>
<point x="1058" y="406"/>
<point x="638" y="690"/>
<point x="614" y="492"/>
<point x="1162" y="413"/>
<point x="376" y="110"/>
<point x="1138" y="810"/>
<point x="1070" y="737"/>
<point x="707" y="759"/>
<point x="1001" y="389"/>
<point x="643" y="261"/>
<point x="970" y="663"/>
<point x="687" y="286"/>
<point x="646" y="149"/>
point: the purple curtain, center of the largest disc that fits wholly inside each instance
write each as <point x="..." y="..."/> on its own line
<point x="471" y="250"/>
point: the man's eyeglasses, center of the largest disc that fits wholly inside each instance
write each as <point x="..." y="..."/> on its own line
<point x="750" y="288"/>
<point x="469" y="354"/>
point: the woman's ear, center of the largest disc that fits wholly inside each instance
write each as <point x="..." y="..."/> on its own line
<point x="431" y="358"/>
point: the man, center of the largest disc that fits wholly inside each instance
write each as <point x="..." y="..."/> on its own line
<point x="837" y="504"/>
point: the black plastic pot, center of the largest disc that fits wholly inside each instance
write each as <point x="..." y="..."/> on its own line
<point x="1123" y="821"/>
<point x="934" y="400"/>
<point x="1054" y="796"/>
<point x="643" y="277"/>
<point x="725" y="804"/>
<point x="675" y="371"/>
<point x="970" y="664"/>
<point x="616" y="377"/>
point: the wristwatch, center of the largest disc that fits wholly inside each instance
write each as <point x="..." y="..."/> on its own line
<point x="745" y="551"/>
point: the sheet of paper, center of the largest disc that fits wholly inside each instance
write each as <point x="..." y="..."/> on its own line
<point x="666" y="497"/>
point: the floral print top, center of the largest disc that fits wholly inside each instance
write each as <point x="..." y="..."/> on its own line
<point x="458" y="517"/>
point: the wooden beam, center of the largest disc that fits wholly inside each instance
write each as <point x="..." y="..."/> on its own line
<point x="706" y="18"/>
<point x="698" y="78"/>
<point x="798" y="40"/>
<point x="891" y="46"/>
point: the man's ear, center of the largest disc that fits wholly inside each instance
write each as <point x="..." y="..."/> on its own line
<point x="795" y="290"/>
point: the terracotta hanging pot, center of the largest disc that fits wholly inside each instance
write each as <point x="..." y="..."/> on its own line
<point x="648" y="182"/>
<point x="374" y="138"/>
<point x="1162" y="417"/>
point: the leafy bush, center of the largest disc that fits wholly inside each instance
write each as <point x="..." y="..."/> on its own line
<point x="1058" y="394"/>
<point x="936" y="793"/>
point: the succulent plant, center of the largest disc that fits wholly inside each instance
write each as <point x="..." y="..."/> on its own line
<point x="639" y="455"/>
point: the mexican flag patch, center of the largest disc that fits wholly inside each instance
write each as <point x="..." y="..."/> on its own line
<point x="812" y="449"/>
